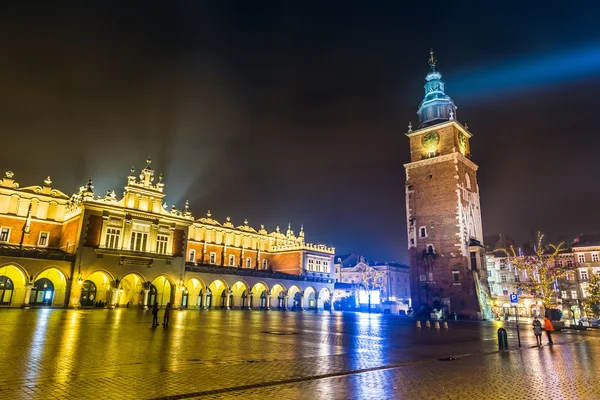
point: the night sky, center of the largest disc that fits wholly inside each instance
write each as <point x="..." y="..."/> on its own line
<point x="296" y="111"/>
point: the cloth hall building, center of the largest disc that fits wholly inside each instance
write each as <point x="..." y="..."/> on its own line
<point x="88" y="250"/>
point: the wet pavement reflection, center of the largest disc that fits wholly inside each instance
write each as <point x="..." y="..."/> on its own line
<point x="224" y="354"/>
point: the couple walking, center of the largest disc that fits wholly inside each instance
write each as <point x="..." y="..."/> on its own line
<point x="155" y="315"/>
<point x="537" y="330"/>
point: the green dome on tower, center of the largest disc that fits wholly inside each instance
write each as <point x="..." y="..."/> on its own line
<point x="436" y="106"/>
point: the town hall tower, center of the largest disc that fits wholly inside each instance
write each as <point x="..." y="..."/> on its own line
<point x="445" y="238"/>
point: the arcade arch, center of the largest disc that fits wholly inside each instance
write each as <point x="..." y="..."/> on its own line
<point x="131" y="291"/>
<point x="278" y="296"/>
<point x="49" y="288"/>
<point x="239" y="295"/>
<point x="294" y="297"/>
<point x="310" y="298"/>
<point x="193" y="295"/>
<point x="96" y="290"/>
<point x="161" y="291"/>
<point x="258" y="295"/>
<point x="12" y="285"/>
<point x="324" y="299"/>
<point x="216" y="295"/>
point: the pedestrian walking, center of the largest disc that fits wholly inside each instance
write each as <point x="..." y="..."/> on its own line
<point x="548" y="327"/>
<point x="155" y="315"/>
<point x="167" y="315"/>
<point x="537" y="330"/>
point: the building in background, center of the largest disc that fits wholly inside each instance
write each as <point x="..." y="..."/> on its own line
<point x="394" y="287"/>
<point x="91" y="250"/>
<point x="582" y="259"/>
<point x="445" y="237"/>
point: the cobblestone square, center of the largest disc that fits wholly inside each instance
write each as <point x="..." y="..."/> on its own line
<point x="116" y="354"/>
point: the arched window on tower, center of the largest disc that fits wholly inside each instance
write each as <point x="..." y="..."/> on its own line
<point x="467" y="181"/>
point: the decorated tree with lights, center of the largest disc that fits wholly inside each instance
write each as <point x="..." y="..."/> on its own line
<point x="593" y="300"/>
<point x="541" y="270"/>
<point x="372" y="279"/>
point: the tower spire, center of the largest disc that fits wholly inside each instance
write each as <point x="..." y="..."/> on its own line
<point x="436" y="106"/>
<point x="431" y="60"/>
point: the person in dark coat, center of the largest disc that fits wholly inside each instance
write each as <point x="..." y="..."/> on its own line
<point x="537" y="330"/>
<point x="155" y="315"/>
<point x="167" y="315"/>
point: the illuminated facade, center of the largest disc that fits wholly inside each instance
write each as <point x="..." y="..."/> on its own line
<point x="394" y="289"/>
<point x="445" y="238"/>
<point x="582" y="260"/>
<point x="88" y="250"/>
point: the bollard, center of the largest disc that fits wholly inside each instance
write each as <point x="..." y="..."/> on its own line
<point x="445" y="325"/>
<point x="427" y="324"/>
<point x="418" y="324"/>
<point x="437" y="325"/>
<point x="502" y="339"/>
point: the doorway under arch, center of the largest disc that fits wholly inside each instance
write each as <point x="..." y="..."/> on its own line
<point x="12" y="285"/>
<point x="49" y="289"/>
<point x="98" y="285"/>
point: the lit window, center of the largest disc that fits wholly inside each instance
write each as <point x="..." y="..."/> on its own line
<point x="139" y="241"/>
<point x="192" y="255"/>
<point x="563" y="294"/>
<point x="580" y="258"/>
<point x="584" y="275"/>
<point x="112" y="238"/>
<point x="248" y="262"/>
<point x="594" y="257"/>
<point x="43" y="240"/>
<point x="161" y="244"/>
<point x="4" y="234"/>
<point x="573" y="294"/>
<point x="231" y="260"/>
<point x="213" y="258"/>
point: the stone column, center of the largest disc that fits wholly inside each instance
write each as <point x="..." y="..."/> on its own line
<point x="250" y="302"/>
<point x="285" y="302"/>
<point x="301" y="302"/>
<point x="28" y="288"/>
<point x="75" y="296"/>
<point x="177" y="297"/>
<point x="316" y="301"/>
<point x="227" y="299"/>
<point x="268" y="302"/>
<point x="145" y="303"/>
<point x="113" y="297"/>
<point x="205" y="302"/>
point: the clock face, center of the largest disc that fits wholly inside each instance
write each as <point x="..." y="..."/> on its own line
<point x="462" y="140"/>
<point x="430" y="139"/>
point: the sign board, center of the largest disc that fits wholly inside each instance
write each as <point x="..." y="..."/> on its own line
<point x="514" y="298"/>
